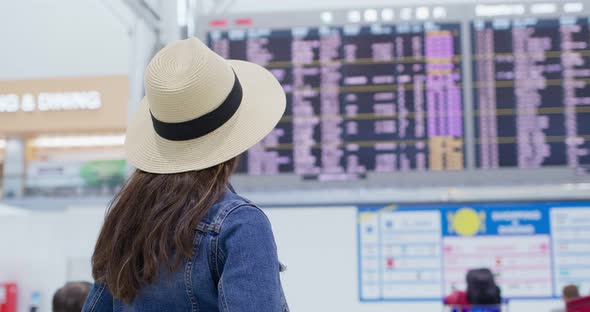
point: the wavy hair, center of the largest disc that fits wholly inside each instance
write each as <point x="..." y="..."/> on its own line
<point x="151" y="223"/>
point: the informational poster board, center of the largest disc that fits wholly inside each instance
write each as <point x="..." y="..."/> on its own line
<point x="423" y="252"/>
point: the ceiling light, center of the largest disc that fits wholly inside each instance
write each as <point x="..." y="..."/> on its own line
<point x="387" y="15"/>
<point x="327" y="17"/>
<point x="370" y="15"/>
<point x="439" y="12"/>
<point x="422" y="13"/>
<point x="354" y="16"/>
<point x="573" y="7"/>
<point x="543" y="8"/>
<point x="406" y="13"/>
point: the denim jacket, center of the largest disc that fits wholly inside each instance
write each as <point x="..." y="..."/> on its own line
<point x="234" y="268"/>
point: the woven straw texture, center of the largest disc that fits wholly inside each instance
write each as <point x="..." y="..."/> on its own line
<point x="186" y="80"/>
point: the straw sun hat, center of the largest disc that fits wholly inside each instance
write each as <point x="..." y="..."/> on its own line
<point x="200" y="110"/>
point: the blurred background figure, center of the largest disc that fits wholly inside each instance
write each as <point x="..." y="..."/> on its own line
<point x="482" y="288"/>
<point x="481" y="291"/>
<point x="570" y="292"/>
<point x="71" y="297"/>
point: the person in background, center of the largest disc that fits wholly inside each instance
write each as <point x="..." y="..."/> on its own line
<point x="177" y="237"/>
<point x="482" y="288"/>
<point x="71" y="297"/>
<point x="458" y="298"/>
<point x="568" y="293"/>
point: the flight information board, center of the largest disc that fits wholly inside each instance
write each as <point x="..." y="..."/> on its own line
<point x="423" y="252"/>
<point x="361" y="99"/>
<point x="532" y="96"/>
<point x="434" y="95"/>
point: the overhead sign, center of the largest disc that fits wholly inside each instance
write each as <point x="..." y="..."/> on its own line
<point x="50" y="101"/>
<point x="77" y="105"/>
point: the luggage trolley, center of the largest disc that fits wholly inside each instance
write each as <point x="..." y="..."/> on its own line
<point x="502" y="307"/>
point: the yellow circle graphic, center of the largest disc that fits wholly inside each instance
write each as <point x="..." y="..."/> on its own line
<point x="467" y="222"/>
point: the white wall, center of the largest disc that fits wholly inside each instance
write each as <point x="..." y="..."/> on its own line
<point x="35" y="251"/>
<point x="318" y="245"/>
<point x="65" y="38"/>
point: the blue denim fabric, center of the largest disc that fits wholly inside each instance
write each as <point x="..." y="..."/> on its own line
<point x="234" y="268"/>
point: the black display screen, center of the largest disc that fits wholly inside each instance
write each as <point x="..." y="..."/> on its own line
<point x="531" y="98"/>
<point x="360" y="99"/>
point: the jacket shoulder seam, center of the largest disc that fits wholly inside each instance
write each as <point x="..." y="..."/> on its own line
<point x="96" y="298"/>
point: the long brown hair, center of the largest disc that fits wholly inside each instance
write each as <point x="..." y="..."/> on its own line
<point x="151" y="223"/>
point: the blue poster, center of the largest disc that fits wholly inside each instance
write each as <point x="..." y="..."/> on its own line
<point x="496" y="219"/>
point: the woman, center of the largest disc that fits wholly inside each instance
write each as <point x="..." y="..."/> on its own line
<point x="177" y="238"/>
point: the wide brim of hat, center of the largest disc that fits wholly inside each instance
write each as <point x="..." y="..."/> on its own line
<point x="263" y="105"/>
